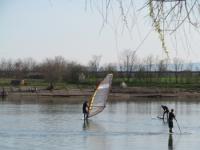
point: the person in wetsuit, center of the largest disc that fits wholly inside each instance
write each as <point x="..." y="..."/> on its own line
<point x="170" y="120"/>
<point x="85" y="109"/>
<point x="165" y="111"/>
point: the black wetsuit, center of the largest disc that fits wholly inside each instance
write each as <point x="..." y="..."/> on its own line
<point x="85" y="109"/>
<point x="170" y="120"/>
<point x="166" y="111"/>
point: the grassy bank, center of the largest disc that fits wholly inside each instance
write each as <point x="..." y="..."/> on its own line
<point x="192" y="84"/>
<point x="135" y="88"/>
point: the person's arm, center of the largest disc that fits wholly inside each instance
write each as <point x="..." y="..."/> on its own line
<point x="175" y="117"/>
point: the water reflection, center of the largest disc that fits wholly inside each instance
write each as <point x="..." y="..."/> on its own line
<point x="90" y="125"/>
<point x="170" y="142"/>
<point x="123" y="125"/>
<point x="95" y="135"/>
<point x="3" y="98"/>
<point x="85" y="124"/>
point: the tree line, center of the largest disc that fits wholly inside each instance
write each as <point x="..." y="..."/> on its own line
<point x="131" y="69"/>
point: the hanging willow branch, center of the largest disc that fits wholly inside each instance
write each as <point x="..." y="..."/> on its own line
<point x="173" y="12"/>
<point x="166" y="15"/>
<point x="157" y="24"/>
<point x="169" y="15"/>
<point x="176" y="12"/>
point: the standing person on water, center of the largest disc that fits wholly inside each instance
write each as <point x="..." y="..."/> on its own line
<point x="170" y="120"/>
<point x="165" y="111"/>
<point x="85" y="109"/>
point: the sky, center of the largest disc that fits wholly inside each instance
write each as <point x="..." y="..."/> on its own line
<point x="47" y="28"/>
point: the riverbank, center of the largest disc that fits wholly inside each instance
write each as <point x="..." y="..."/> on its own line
<point x="155" y="92"/>
<point x="116" y="93"/>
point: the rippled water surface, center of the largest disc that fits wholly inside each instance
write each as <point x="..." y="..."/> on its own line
<point x="122" y="125"/>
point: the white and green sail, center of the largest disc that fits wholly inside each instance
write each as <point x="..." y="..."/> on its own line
<point x="98" y="101"/>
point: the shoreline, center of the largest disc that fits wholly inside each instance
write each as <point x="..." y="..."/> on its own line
<point x="116" y="94"/>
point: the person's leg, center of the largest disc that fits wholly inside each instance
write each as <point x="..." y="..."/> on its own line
<point x="87" y="115"/>
<point x="170" y="130"/>
<point x="170" y="125"/>
<point x="84" y="116"/>
<point x="164" y="115"/>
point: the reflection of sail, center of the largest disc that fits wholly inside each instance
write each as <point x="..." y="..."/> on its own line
<point x="95" y="136"/>
<point x="98" y="101"/>
<point x="89" y="125"/>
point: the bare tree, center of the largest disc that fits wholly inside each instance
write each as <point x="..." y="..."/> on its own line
<point x="128" y="62"/>
<point x="18" y="67"/>
<point x="6" y="67"/>
<point x="140" y="74"/>
<point x="53" y="69"/>
<point x="178" y="66"/>
<point x="149" y="62"/>
<point x="162" y="68"/>
<point x="28" y="64"/>
<point x="94" y="64"/>
<point x="73" y="72"/>
<point x="162" y="65"/>
<point x="108" y="68"/>
<point x="9" y="68"/>
<point x="188" y="73"/>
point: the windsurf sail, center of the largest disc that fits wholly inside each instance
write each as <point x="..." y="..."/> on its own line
<point x="98" y="101"/>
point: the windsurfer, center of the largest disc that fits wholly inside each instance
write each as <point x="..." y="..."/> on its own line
<point x="170" y="120"/>
<point x="85" y="109"/>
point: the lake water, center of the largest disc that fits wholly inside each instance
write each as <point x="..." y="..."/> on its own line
<point x="122" y="125"/>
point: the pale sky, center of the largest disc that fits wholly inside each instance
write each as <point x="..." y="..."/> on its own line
<point x="48" y="28"/>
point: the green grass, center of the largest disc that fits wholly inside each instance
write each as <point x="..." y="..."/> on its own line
<point x="165" y="82"/>
<point x="4" y="82"/>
